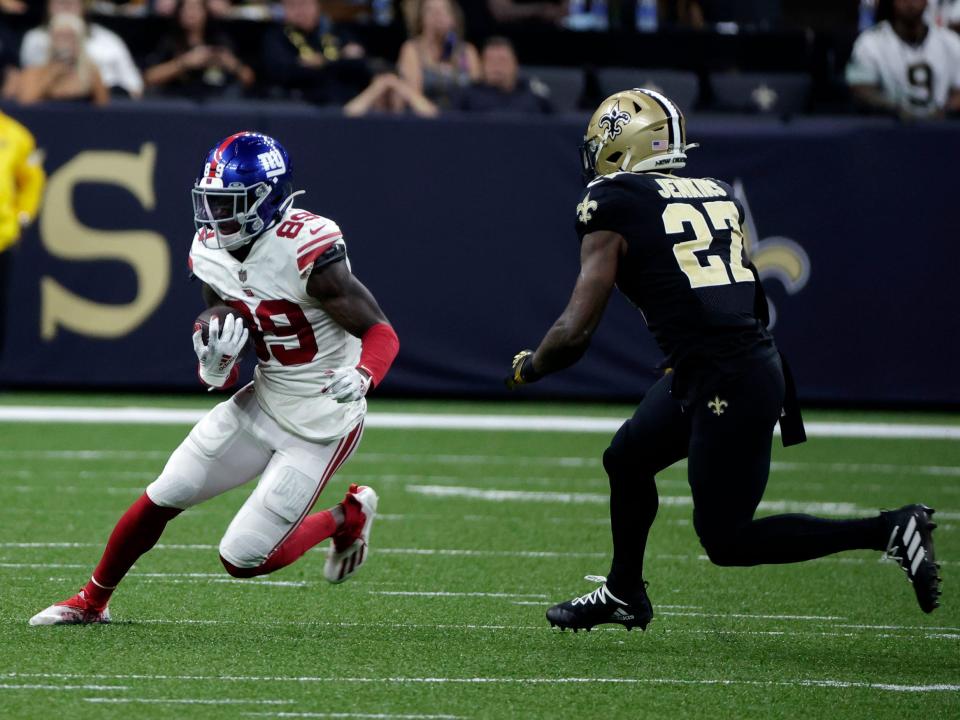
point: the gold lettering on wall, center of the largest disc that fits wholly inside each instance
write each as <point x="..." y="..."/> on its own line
<point x="65" y="237"/>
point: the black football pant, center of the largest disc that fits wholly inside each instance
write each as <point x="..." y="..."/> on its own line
<point x="726" y="436"/>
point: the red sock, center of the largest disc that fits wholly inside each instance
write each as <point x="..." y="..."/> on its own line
<point x="313" y="530"/>
<point x="135" y="533"/>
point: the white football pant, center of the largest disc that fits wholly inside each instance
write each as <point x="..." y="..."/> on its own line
<point x="231" y="445"/>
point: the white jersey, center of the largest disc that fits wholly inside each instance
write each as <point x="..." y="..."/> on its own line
<point x="917" y="78"/>
<point x="296" y="340"/>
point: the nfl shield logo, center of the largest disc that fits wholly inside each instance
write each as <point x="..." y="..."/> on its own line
<point x="243" y="275"/>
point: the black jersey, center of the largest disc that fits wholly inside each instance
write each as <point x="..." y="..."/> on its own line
<point x="685" y="267"/>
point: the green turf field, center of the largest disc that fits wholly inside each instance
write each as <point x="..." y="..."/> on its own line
<point x="446" y="620"/>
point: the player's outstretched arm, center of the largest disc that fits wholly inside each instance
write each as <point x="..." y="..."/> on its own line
<point x="353" y="307"/>
<point x="569" y="337"/>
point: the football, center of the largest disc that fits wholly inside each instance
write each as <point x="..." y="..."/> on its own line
<point x="217" y="311"/>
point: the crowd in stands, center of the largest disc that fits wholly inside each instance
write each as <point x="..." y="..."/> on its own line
<point x="906" y="61"/>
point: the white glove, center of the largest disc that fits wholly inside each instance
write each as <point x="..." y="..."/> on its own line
<point x="346" y="384"/>
<point x="218" y="356"/>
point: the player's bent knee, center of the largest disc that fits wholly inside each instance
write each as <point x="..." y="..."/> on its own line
<point x="244" y="551"/>
<point x="174" y="489"/>
<point x="239" y="572"/>
<point x="614" y="457"/>
<point x="724" y="549"/>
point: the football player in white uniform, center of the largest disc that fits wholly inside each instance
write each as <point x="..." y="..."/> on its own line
<point x="905" y="66"/>
<point x="321" y="342"/>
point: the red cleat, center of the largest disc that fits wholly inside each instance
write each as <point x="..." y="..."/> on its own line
<point x="350" y="545"/>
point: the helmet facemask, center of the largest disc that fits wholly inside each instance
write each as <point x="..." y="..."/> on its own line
<point x="226" y="217"/>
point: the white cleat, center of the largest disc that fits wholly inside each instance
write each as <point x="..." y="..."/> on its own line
<point x="349" y="552"/>
<point x="75" y="611"/>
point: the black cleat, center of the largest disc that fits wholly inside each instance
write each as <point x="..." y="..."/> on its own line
<point x="600" y="607"/>
<point x="911" y="545"/>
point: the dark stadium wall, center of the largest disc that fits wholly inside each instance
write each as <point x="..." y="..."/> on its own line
<point x="463" y="228"/>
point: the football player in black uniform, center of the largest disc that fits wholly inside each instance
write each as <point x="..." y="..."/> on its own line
<point x="675" y="247"/>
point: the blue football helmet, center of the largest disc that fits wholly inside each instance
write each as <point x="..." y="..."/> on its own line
<point x="245" y="187"/>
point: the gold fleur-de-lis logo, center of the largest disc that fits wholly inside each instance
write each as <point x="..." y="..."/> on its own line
<point x="586" y="208"/>
<point x="717" y="405"/>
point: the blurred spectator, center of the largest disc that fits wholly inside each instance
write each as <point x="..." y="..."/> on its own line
<point x="246" y="9"/>
<point x="105" y="48"/>
<point x="437" y="61"/>
<point x="15" y="7"/>
<point x="69" y="73"/>
<point x="945" y="13"/>
<point x="906" y="67"/>
<point x="729" y="15"/>
<point x="501" y="89"/>
<point x="21" y="187"/>
<point x="511" y="11"/>
<point x="307" y="56"/>
<point x="195" y="62"/>
<point x="389" y="94"/>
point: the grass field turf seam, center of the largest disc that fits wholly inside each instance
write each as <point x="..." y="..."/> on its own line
<point x="457" y="645"/>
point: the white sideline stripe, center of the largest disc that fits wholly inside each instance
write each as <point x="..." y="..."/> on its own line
<point x="806" y="682"/>
<point x="438" y="421"/>
<point x="188" y="701"/>
<point x="575" y="498"/>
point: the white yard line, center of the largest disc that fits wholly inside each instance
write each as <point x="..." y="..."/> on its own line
<point x="447" y="593"/>
<point x="9" y="686"/>
<point x="438" y="421"/>
<point x="188" y="701"/>
<point x="753" y="616"/>
<point x="577" y="498"/>
<point x="391" y="716"/>
<point x="402" y="680"/>
<point x="78" y="566"/>
<point x="441" y="552"/>
<point x="97" y="454"/>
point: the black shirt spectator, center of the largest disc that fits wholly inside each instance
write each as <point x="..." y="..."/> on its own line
<point x="501" y="88"/>
<point x="307" y="56"/>
<point x="195" y="61"/>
